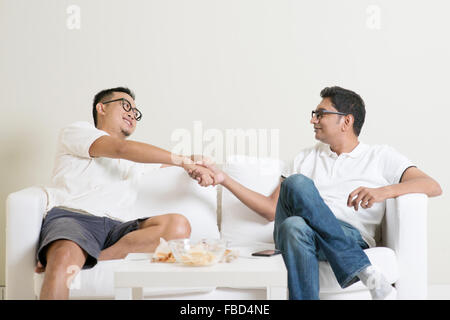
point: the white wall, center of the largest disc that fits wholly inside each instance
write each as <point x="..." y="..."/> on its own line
<point x="229" y="64"/>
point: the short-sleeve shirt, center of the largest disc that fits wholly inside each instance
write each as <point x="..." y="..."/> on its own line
<point x="335" y="177"/>
<point x="99" y="186"/>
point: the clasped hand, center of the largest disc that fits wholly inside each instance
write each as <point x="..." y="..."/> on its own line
<point x="204" y="171"/>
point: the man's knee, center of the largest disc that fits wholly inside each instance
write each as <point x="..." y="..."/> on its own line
<point x="181" y="225"/>
<point x="297" y="182"/>
<point x="64" y="253"/>
<point x="299" y="187"/>
<point x="176" y="226"/>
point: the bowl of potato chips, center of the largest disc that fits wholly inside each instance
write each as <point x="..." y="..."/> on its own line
<point x="204" y="252"/>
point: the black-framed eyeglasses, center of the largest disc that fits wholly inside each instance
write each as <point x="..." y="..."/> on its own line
<point x="320" y="113"/>
<point x="126" y="105"/>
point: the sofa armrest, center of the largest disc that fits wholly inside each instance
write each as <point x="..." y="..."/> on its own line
<point x="24" y="213"/>
<point x="404" y="230"/>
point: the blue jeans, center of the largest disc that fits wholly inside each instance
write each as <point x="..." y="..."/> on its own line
<point x="307" y="231"/>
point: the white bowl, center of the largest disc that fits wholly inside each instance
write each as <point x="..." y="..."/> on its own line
<point x="204" y="252"/>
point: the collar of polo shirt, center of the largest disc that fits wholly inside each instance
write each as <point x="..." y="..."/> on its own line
<point x="355" y="153"/>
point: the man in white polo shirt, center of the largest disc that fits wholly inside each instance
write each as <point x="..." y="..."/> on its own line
<point x="94" y="184"/>
<point x="332" y="197"/>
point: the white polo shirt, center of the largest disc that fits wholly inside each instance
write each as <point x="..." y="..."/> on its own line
<point x="337" y="176"/>
<point x="98" y="186"/>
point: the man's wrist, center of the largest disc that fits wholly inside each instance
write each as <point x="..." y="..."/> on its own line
<point x="389" y="192"/>
<point x="226" y="180"/>
<point x="182" y="161"/>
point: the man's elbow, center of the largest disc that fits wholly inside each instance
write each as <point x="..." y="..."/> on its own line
<point x="433" y="189"/>
<point x="271" y="215"/>
<point x="437" y="190"/>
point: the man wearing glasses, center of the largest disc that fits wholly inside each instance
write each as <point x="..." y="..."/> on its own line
<point x="331" y="199"/>
<point x="93" y="186"/>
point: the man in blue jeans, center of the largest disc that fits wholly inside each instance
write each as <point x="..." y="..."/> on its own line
<point x="307" y="231"/>
<point x="332" y="198"/>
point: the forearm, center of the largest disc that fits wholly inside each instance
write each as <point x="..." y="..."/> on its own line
<point x="147" y="153"/>
<point x="419" y="185"/>
<point x="261" y="204"/>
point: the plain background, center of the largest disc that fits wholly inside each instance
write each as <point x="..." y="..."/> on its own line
<point x="247" y="64"/>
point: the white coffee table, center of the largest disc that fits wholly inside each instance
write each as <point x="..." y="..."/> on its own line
<point x="258" y="272"/>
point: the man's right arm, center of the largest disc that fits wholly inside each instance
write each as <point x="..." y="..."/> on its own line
<point x="110" y="147"/>
<point x="261" y="204"/>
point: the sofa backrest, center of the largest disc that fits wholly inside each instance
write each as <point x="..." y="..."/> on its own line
<point x="171" y="190"/>
<point x="239" y="224"/>
<point x="212" y="211"/>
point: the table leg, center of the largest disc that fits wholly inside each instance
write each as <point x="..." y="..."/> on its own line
<point x="276" y="293"/>
<point x="138" y="293"/>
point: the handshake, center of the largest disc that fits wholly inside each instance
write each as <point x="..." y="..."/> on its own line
<point x="204" y="171"/>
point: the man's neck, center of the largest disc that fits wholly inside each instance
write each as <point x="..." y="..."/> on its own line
<point x="111" y="132"/>
<point x="345" y="146"/>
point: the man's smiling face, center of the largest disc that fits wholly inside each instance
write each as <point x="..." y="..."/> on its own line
<point x="328" y="126"/>
<point x="116" y="117"/>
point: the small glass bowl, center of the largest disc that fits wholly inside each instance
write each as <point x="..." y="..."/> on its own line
<point x="205" y="252"/>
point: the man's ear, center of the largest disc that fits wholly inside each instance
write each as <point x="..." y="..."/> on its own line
<point x="100" y="108"/>
<point x="348" y="122"/>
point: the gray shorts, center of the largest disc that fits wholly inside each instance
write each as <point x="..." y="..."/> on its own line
<point x="91" y="233"/>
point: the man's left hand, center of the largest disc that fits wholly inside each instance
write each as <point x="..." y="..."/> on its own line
<point x="366" y="197"/>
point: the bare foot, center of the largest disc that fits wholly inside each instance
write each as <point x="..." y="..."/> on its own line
<point x="39" y="268"/>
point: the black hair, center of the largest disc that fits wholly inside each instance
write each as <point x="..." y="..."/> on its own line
<point x="349" y="102"/>
<point x="104" y="95"/>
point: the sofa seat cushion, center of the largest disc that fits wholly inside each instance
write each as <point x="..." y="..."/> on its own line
<point x="382" y="257"/>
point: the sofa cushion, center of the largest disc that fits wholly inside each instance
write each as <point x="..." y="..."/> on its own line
<point x="171" y="190"/>
<point x="239" y="224"/>
<point x="382" y="257"/>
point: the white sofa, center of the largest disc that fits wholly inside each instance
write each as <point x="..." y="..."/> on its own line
<point x="214" y="212"/>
